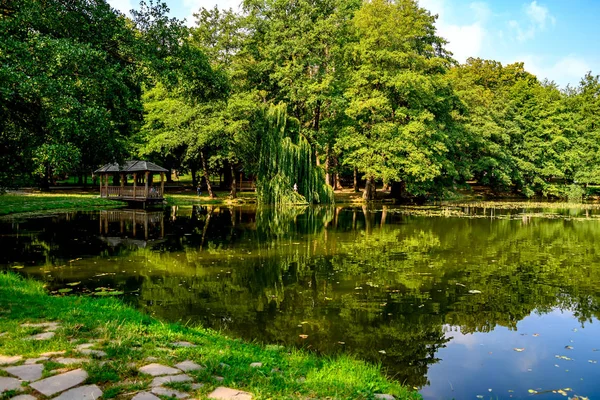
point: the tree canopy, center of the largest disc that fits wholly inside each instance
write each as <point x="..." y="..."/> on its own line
<point x="371" y="89"/>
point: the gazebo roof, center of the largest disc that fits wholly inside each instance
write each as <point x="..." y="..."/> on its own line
<point x="130" y="167"/>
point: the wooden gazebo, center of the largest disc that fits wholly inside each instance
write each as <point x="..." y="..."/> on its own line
<point x="142" y="188"/>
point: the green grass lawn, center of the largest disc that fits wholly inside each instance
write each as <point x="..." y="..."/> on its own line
<point x="129" y="337"/>
<point x="28" y="203"/>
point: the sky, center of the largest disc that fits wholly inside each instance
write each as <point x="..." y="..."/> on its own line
<point x="556" y="39"/>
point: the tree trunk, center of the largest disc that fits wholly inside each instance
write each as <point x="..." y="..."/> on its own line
<point x="169" y="175"/>
<point x="45" y="182"/>
<point x="194" y="177"/>
<point x="398" y="190"/>
<point x="233" y="192"/>
<point x="370" y="190"/>
<point x="338" y="185"/>
<point x="355" y="180"/>
<point x="328" y="166"/>
<point x="207" y="176"/>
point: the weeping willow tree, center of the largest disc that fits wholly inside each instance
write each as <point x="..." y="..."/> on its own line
<point x="286" y="160"/>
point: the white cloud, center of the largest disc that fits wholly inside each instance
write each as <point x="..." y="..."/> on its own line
<point x="464" y="41"/>
<point x="538" y="17"/>
<point x="122" y="5"/>
<point x="566" y="70"/>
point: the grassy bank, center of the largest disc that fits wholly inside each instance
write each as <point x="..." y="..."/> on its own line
<point x="12" y="203"/>
<point x="129" y="337"/>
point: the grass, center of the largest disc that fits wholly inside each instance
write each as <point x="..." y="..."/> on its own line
<point x="191" y="198"/>
<point x="129" y="337"/>
<point x="31" y="203"/>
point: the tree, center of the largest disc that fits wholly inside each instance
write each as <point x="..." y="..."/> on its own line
<point x="519" y="128"/>
<point x="68" y="86"/>
<point x="287" y="172"/>
<point x="399" y="99"/>
<point x="72" y="74"/>
<point x="298" y="52"/>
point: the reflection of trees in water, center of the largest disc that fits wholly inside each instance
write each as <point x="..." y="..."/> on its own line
<point x="373" y="280"/>
<point x="415" y="275"/>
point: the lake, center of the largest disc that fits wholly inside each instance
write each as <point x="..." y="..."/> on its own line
<point x="457" y="302"/>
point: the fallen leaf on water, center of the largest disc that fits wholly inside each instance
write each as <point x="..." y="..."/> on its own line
<point x="561" y="392"/>
<point x="532" y="391"/>
<point x="569" y="347"/>
<point x="519" y="349"/>
<point x="563" y="358"/>
<point x="304" y="322"/>
<point x="557" y="366"/>
<point x="73" y="283"/>
<point x="479" y="396"/>
<point x="593" y="361"/>
<point x="328" y="298"/>
<point x="303" y="336"/>
<point x="474" y="291"/>
<point x="382" y="351"/>
<point x="535" y="335"/>
<point x="17" y="266"/>
<point x="342" y="342"/>
<point x="65" y="290"/>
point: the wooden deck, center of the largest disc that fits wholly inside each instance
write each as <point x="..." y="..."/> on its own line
<point x="130" y="193"/>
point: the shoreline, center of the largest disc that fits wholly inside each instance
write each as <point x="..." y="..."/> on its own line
<point x="113" y="344"/>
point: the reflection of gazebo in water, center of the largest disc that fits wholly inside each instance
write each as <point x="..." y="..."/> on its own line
<point x="142" y="173"/>
<point x="130" y="223"/>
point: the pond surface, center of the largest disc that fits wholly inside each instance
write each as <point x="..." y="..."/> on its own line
<point x="494" y="305"/>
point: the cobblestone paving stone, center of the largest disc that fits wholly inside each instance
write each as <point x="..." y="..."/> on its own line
<point x="145" y="396"/>
<point x="162" y="391"/>
<point x="188" y="365"/>
<point x="161" y="380"/>
<point x="6" y="360"/>
<point x="88" y="392"/>
<point x="59" y="383"/>
<point x="7" y="384"/>
<point x="224" y="393"/>
<point x="30" y="373"/>
<point x="158" y="369"/>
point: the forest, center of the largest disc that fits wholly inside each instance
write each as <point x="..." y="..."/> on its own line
<point x="314" y="93"/>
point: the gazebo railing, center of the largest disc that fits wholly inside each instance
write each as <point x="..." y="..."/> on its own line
<point x="128" y="192"/>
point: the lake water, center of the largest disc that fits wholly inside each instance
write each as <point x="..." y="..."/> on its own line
<point x="494" y="304"/>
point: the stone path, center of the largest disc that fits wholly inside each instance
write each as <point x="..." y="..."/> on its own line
<point x="65" y="384"/>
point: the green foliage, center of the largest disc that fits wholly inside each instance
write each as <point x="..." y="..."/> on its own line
<point x="399" y="100"/>
<point x="370" y="86"/>
<point x="287" y="161"/>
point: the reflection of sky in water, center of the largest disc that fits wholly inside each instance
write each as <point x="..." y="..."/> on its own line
<point x="483" y="361"/>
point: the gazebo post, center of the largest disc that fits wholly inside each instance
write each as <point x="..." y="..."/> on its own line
<point x="104" y="180"/>
<point x="146" y="186"/>
<point x="162" y="184"/>
<point x="134" y="184"/>
<point x="122" y="184"/>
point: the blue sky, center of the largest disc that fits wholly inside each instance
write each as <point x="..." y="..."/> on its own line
<point x="556" y="39"/>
